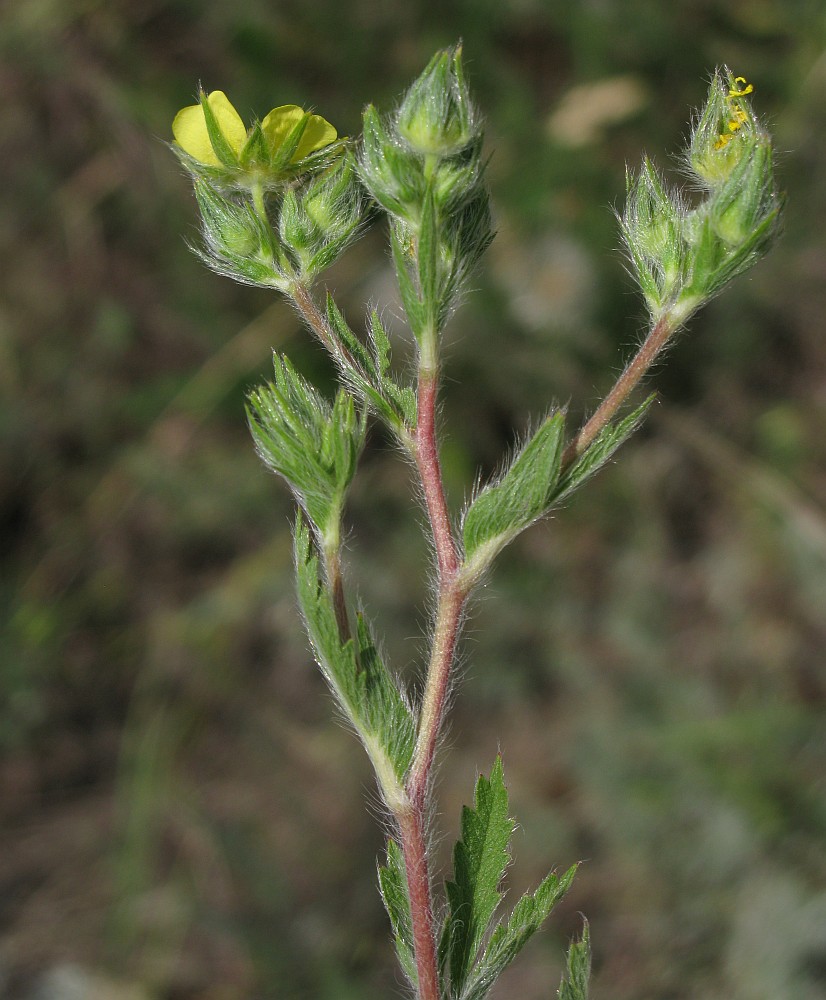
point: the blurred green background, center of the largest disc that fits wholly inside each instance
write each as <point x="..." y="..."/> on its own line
<point x="180" y="816"/>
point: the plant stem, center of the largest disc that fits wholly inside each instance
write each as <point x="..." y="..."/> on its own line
<point x="332" y="568"/>
<point x="625" y="384"/>
<point x="451" y="595"/>
<point x="450" y="606"/>
<point x="430" y="473"/>
<point x="450" y="610"/>
<point x="414" y="847"/>
<point x="314" y="318"/>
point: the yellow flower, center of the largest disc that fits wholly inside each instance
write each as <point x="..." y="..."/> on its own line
<point x="225" y="141"/>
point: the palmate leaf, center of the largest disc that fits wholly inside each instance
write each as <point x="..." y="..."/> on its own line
<point x="393" y="885"/>
<point x="366" y="692"/>
<point x="519" y="497"/>
<point x="479" y="860"/>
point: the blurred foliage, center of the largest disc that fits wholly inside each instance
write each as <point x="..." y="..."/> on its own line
<point x="650" y="663"/>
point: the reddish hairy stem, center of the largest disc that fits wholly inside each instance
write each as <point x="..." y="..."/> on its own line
<point x="414" y="848"/>
<point x="625" y="384"/>
<point x="430" y="473"/>
<point x="451" y="606"/>
<point x="451" y="600"/>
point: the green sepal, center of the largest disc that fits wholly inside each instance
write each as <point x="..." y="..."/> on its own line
<point x="256" y="148"/>
<point x="574" y="985"/>
<point x="297" y="231"/>
<point x="600" y="450"/>
<point x="223" y="150"/>
<point x="523" y="494"/>
<point x="236" y="241"/>
<point x="510" y="937"/>
<point x="394" y="893"/>
<point x="363" y="687"/>
<point x="282" y="156"/>
<point x="392" y="174"/>
<point x="480" y="858"/>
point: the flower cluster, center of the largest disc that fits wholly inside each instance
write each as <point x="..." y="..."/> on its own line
<point x="682" y="255"/>
<point x="423" y="164"/>
<point x="279" y="200"/>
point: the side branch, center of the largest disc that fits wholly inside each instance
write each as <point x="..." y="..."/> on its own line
<point x="622" y="389"/>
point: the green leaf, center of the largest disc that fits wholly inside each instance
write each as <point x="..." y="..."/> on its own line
<point x="403" y="398"/>
<point x="313" y="445"/>
<point x="479" y="862"/>
<point x="366" y="371"/>
<point x="415" y="309"/>
<point x="394" y="893"/>
<point x="523" y="494"/>
<point x="601" y="450"/>
<point x="510" y="938"/>
<point x="574" y="985"/>
<point x="428" y="257"/>
<point x="363" y="687"/>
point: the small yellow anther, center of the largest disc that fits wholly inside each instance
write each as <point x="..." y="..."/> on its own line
<point x="745" y="87"/>
<point x="738" y="114"/>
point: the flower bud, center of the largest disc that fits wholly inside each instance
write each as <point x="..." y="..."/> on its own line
<point x="236" y="241"/>
<point x="392" y="174"/>
<point x="318" y="221"/>
<point x="653" y="229"/>
<point x="747" y="197"/>
<point x="436" y="116"/>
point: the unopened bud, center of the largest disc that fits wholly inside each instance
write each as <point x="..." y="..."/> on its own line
<point x="437" y="116"/>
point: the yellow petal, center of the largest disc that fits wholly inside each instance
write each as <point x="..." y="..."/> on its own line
<point x="279" y="123"/>
<point x="190" y="131"/>
<point x="229" y="121"/>
<point x="318" y="134"/>
<point x="191" y="134"/>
